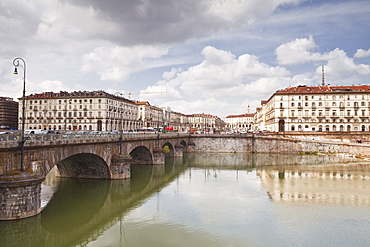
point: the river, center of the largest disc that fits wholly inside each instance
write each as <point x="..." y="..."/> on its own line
<point x="207" y="200"/>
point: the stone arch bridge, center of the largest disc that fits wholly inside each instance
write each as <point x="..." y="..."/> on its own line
<point x="102" y="157"/>
<point x="87" y="156"/>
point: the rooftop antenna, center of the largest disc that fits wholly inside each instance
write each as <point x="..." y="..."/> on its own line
<point x="323" y="78"/>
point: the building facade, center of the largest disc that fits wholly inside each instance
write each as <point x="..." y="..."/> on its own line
<point x="205" y="122"/>
<point x="242" y="122"/>
<point x="82" y="110"/>
<point x="150" y="116"/>
<point x="8" y="113"/>
<point x="317" y="108"/>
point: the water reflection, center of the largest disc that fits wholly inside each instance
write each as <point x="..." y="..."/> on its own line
<point x="156" y="200"/>
<point x="341" y="184"/>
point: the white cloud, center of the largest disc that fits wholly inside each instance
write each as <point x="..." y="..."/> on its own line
<point x="117" y="63"/>
<point x="338" y="63"/>
<point x="360" y="53"/>
<point x="221" y="71"/>
<point x="219" y="76"/>
<point x="297" y="52"/>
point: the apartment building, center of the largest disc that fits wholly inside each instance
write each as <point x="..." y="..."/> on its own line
<point x="150" y="116"/>
<point x="205" y="122"/>
<point x="79" y="110"/>
<point x="316" y="108"/>
<point x="8" y="113"/>
<point x="242" y="122"/>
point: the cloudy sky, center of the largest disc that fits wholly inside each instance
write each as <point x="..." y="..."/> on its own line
<point x="211" y="56"/>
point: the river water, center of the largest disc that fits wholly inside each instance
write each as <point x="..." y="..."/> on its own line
<point x="207" y="200"/>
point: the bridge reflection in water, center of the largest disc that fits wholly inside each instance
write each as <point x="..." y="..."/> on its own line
<point x="82" y="209"/>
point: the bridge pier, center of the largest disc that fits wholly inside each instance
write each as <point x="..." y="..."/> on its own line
<point x="20" y="198"/>
<point x="158" y="156"/>
<point x="120" y="166"/>
<point x="179" y="150"/>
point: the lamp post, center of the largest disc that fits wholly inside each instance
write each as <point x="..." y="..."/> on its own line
<point x="16" y="65"/>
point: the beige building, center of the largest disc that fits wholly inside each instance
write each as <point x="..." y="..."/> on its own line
<point x="242" y="122"/>
<point x="150" y="116"/>
<point x="82" y="110"/>
<point x="205" y="122"/>
<point x="316" y="108"/>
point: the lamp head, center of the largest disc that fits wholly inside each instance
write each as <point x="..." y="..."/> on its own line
<point x="15" y="71"/>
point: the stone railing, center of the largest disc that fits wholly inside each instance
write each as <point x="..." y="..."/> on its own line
<point x="13" y="140"/>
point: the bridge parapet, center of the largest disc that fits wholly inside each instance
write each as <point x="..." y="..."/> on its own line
<point x="12" y="141"/>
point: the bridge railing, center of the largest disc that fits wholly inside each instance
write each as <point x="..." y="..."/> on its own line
<point x="13" y="140"/>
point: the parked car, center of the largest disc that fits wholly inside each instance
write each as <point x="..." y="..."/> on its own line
<point x="69" y="134"/>
<point x="48" y="132"/>
<point x="7" y="135"/>
<point x="115" y="132"/>
<point x="82" y="132"/>
<point x="95" y="133"/>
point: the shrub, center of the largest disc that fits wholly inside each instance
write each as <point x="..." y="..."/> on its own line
<point x="166" y="149"/>
<point x="13" y="173"/>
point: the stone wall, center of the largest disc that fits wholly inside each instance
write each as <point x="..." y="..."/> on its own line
<point x="273" y="144"/>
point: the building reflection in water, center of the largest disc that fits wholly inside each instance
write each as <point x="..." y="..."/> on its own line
<point x="341" y="184"/>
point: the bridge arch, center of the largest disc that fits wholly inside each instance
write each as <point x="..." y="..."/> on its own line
<point x="141" y="155"/>
<point x="84" y="165"/>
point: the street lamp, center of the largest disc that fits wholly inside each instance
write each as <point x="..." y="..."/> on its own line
<point x="16" y="64"/>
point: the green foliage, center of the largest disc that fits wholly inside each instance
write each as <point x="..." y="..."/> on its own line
<point x="166" y="149"/>
<point x="13" y="173"/>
